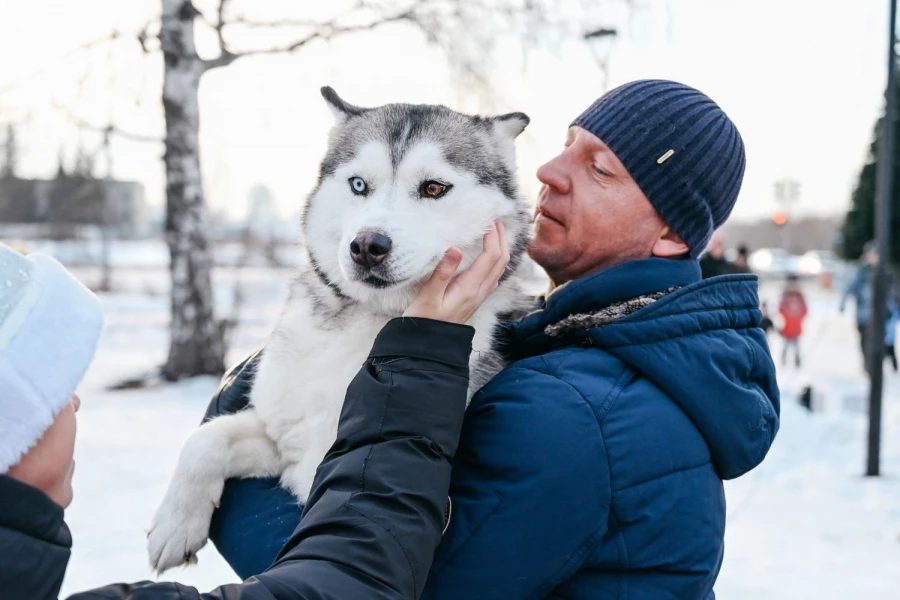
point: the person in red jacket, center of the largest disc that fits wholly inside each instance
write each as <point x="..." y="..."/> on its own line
<point x="793" y="311"/>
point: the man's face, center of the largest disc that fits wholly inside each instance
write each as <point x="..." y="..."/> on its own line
<point x="872" y="257"/>
<point x="590" y="214"/>
<point x="717" y="246"/>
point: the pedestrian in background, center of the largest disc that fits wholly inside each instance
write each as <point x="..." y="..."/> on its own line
<point x="860" y="289"/>
<point x="766" y="323"/>
<point x="793" y="311"/>
<point x="740" y="264"/>
<point x="714" y="263"/>
<point x="890" y="331"/>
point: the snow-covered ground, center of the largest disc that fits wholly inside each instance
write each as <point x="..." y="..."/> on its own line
<point x="806" y="524"/>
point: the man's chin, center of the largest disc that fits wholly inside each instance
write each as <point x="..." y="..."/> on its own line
<point x="540" y="252"/>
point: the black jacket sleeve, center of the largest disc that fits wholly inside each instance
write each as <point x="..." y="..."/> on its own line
<point x="376" y="509"/>
<point x="34" y="543"/>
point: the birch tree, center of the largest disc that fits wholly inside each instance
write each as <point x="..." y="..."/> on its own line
<point x="196" y="345"/>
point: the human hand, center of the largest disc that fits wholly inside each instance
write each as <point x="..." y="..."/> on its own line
<point x="446" y="297"/>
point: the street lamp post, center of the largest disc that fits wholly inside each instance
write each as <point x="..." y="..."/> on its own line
<point x="602" y="55"/>
<point x="787" y="193"/>
<point x="882" y="240"/>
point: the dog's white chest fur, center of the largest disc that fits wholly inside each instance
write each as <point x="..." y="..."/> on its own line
<point x="308" y="364"/>
<point x="301" y="380"/>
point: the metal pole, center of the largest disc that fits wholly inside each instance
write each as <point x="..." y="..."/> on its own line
<point x="882" y="237"/>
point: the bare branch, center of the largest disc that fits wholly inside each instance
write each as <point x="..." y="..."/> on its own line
<point x="601" y="33"/>
<point x="223" y="60"/>
<point x="114" y="36"/>
<point x="326" y="31"/>
<point x="144" y="36"/>
<point x="220" y="23"/>
<point x="282" y="24"/>
<point x="225" y="56"/>
<point x="106" y="130"/>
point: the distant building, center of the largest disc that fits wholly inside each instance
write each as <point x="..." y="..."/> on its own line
<point x="73" y="201"/>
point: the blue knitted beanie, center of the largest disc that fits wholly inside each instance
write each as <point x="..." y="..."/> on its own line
<point x="681" y="149"/>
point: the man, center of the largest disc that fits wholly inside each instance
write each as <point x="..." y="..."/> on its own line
<point x="377" y="507"/>
<point x="592" y="466"/>
<point x="860" y="289"/>
<point x="741" y="261"/>
<point x="714" y="263"/>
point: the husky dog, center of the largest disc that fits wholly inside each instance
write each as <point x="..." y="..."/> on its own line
<point x="398" y="186"/>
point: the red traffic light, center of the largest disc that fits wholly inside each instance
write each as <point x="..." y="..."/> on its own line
<point x="780" y="217"/>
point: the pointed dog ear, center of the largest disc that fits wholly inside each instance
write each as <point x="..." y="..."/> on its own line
<point x="342" y="110"/>
<point x="510" y="125"/>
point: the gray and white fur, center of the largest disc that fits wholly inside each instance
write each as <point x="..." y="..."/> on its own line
<point x="399" y="184"/>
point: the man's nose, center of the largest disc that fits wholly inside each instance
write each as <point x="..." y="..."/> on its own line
<point x="555" y="174"/>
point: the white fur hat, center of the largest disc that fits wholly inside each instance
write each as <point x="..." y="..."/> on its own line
<point x="49" y="325"/>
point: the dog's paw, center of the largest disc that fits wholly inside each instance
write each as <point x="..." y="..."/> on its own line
<point x="180" y="527"/>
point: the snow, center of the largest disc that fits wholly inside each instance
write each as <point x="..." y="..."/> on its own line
<point x="806" y="524"/>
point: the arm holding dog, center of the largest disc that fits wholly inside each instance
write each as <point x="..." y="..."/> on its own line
<point x="379" y="497"/>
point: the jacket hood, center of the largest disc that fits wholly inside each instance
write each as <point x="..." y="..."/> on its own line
<point x="698" y="341"/>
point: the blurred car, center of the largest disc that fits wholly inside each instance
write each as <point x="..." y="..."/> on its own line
<point x="818" y="262"/>
<point x="772" y="261"/>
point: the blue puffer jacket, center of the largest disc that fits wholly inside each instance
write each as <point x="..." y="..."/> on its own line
<point x="592" y="467"/>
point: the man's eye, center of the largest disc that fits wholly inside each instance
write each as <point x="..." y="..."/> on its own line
<point x="601" y="172"/>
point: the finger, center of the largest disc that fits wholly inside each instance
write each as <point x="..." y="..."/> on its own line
<point x="492" y="280"/>
<point x="504" y="244"/>
<point x="503" y="261"/>
<point x="481" y="268"/>
<point x="443" y="272"/>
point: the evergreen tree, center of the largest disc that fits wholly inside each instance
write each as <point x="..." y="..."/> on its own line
<point x="859" y="224"/>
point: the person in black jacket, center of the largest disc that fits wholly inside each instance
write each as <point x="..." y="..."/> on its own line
<point x="714" y="263"/>
<point x="379" y="501"/>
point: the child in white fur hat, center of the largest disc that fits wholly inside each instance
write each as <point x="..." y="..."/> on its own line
<point x="49" y="326"/>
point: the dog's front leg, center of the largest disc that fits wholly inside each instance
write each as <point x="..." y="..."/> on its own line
<point x="228" y="446"/>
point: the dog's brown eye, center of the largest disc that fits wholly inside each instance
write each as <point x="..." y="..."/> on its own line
<point x="433" y="189"/>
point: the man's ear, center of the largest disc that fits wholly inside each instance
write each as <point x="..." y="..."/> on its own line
<point x="669" y="244"/>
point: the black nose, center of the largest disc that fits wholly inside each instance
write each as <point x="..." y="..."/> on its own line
<point x="369" y="249"/>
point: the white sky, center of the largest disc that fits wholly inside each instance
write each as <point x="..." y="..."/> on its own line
<point x="802" y="79"/>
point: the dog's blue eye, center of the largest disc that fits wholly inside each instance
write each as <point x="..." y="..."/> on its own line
<point x="358" y="186"/>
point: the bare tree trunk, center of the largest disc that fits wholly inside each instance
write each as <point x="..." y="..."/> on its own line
<point x="105" y="233"/>
<point x="196" y="340"/>
<point x="105" y="242"/>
